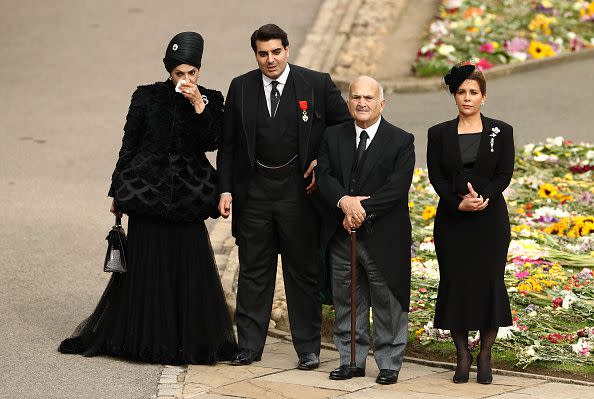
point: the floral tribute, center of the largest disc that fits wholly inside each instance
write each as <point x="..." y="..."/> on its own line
<point x="495" y="32"/>
<point x="549" y="274"/>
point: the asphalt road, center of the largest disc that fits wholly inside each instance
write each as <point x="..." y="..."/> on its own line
<point x="67" y="70"/>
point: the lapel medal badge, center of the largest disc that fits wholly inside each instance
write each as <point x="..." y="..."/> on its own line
<point x="495" y="131"/>
<point x="303" y="107"/>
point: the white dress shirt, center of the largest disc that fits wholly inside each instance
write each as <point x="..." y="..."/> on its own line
<point x="371" y="131"/>
<point x="282" y="80"/>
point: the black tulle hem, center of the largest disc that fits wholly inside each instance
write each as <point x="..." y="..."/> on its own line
<point x="170" y="306"/>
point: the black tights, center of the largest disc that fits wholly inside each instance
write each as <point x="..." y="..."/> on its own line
<point x="460" y="338"/>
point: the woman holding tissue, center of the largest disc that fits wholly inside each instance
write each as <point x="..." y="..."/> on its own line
<point x="471" y="161"/>
<point x="169" y="307"/>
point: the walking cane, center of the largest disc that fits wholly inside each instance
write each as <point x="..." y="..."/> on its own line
<point x="353" y="365"/>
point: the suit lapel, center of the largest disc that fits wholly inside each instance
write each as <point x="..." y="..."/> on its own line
<point x="484" y="156"/>
<point x="251" y="94"/>
<point x="347" y="153"/>
<point x="374" y="151"/>
<point x="303" y="92"/>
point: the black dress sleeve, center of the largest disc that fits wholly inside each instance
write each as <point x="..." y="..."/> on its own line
<point x="336" y="108"/>
<point x="437" y="177"/>
<point x="133" y="129"/>
<point x="209" y="123"/>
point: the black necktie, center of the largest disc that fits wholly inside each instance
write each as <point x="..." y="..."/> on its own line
<point x="274" y="98"/>
<point x="362" y="147"/>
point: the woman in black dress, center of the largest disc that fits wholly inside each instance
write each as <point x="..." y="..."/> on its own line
<point x="471" y="161"/>
<point x="169" y="307"/>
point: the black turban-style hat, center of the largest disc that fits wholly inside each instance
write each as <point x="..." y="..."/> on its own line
<point x="457" y="75"/>
<point x="184" y="48"/>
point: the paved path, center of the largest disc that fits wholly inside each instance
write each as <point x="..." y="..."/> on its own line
<point x="67" y="70"/>
<point x="275" y="377"/>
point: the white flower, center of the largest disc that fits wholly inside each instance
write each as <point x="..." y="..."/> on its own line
<point x="495" y="130"/>
<point x="506" y="332"/>
<point x="520" y="56"/>
<point x="530" y="351"/>
<point x="590" y="154"/>
<point x="427" y="246"/>
<point x="446" y="49"/>
<point x="547" y="211"/>
<point x="558" y="141"/>
<point x="541" y="158"/>
<point x="451" y="4"/>
<point x="571" y="35"/>
<point x="568" y="300"/>
<point x="528" y="148"/>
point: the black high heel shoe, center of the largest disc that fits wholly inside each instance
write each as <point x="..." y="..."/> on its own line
<point x="484" y="373"/>
<point x="461" y="375"/>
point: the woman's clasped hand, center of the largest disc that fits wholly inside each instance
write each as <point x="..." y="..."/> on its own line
<point x="472" y="201"/>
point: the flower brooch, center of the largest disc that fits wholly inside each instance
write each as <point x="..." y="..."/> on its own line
<point x="495" y="131"/>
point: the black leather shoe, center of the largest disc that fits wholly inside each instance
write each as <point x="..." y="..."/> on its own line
<point x="461" y="374"/>
<point x="345" y="372"/>
<point x="387" y="377"/>
<point x="308" y="361"/>
<point x="245" y="357"/>
<point x="484" y="372"/>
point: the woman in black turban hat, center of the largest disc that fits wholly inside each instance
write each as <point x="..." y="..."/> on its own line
<point x="471" y="161"/>
<point x="169" y="307"/>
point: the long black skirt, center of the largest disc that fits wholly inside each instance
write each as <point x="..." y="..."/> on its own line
<point x="168" y="308"/>
<point x="471" y="249"/>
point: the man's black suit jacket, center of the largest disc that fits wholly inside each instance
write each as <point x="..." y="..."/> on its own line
<point x="386" y="178"/>
<point x="235" y="159"/>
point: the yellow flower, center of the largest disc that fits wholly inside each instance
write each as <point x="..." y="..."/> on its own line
<point x="429" y="212"/>
<point x="539" y="50"/>
<point x="558" y="228"/>
<point x="542" y="23"/>
<point x="547" y="190"/>
<point x="495" y="45"/>
<point x="411" y="204"/>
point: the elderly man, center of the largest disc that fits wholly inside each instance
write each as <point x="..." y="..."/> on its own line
<point x="365" y="169"/>
<point x="274" y="119"/>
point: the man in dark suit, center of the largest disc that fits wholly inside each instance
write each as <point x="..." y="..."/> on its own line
<point x="274" y="120"/>
<point x="365" y="170"/>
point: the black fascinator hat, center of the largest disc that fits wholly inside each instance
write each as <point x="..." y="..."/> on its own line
<point x="184" y="48"/>
<point x="457" y="75"/>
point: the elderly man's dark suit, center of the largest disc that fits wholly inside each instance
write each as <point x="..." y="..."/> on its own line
<point x="384" y="173"/>
<point x="272" y="216"/>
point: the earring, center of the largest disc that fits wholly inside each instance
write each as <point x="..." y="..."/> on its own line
<point x="483" y="103"/>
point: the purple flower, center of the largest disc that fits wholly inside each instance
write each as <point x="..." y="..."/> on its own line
<point x="586" y="198"/>
<point x="530" y="308"/>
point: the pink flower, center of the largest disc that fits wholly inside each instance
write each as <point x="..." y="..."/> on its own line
<point x="422" y="290"/>
<point x="521" y="275"/>
<point x="487" y="48"/>
<point x="517" y="45"/>
<point x="484" y="64"/>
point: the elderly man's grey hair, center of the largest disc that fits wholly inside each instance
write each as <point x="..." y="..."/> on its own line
<point x="381" y="89"/>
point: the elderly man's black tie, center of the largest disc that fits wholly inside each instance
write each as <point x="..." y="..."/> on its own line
<point x="361" y="148"/>
<point x="274" y="98"/>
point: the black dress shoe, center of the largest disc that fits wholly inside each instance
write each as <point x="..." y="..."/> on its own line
<point x="245" y="357"/>
<point x="484" y="372"/>
<point x="461" y="374"/>
<point x="387" y="377"/>
<point x="345" y="372"/>
<point x="308" y="361"/>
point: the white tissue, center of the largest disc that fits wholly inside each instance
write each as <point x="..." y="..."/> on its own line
<point x="179" y="83"/>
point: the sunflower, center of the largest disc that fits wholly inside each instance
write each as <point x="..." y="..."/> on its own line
<point x="540" y="50"/>
<point x="542" y="23"/>
<point x="429" y="212"/>
<point x="547" y="190"/>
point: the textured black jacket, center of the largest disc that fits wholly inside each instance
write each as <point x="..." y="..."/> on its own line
<point x="162" y="169"/>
